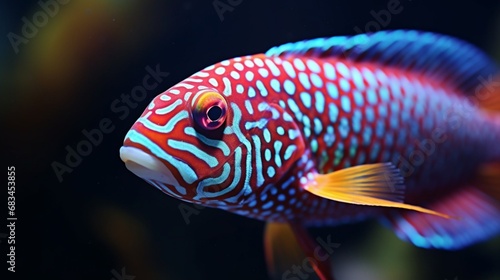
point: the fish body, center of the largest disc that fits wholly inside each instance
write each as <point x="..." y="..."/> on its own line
<point x="257" y="135"/>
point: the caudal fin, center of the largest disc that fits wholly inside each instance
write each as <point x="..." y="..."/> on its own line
<point x="479" y="219"/>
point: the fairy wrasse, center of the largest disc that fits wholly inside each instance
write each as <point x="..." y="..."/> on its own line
<point x="397" y="125"/>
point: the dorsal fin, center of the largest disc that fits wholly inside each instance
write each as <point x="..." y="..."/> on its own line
<point x="452" y="60"/>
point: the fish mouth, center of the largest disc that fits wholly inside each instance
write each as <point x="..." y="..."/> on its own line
<point x="146" y="166"/>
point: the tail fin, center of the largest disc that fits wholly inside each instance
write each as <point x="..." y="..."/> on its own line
<point x="477" y="206"/>
<point x="479" y="220"/>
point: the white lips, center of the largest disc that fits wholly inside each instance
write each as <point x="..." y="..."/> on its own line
<point x="146" y="166"/>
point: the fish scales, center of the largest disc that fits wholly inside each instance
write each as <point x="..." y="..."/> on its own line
<point x="333" y="130"/>
<point x="378" y="116"/>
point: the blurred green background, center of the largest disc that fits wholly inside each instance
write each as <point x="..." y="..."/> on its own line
<point x="62" y="75"/>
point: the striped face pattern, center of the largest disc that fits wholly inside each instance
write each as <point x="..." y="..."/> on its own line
<point x="245" y="134"/>
<point x="214" y="138"/>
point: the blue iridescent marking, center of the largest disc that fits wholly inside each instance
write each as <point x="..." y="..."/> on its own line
<point x="333" y="112"/>
<point x="287" y="183"/>
<point x="228" y="90"/>
<point x="251" y="92"/>
<point x="357" y="78"/>
<point x="295" y="108"/>
<point x="257" y="124"/>
<point x="267" y="154"/>
<point x="280" y="130"/>
<point x="320" y="101"/>
<point x="356" y="121"/>
<point x="240" y="88"/>
<point x="226" y="168"/>
<point x="275" y="84"/>
<point x="381" y="76"/>
<point x="249" y="76"/>
<point x="345" y="103"/>
<point x="361" y="157"/>
<point x="289" y="151"/>
<point x="367" y="135"/>
<point x="370" y="114"/>
<point x="248" y="106"/>
<point x="329" y="71"/>
<point x="344" y="128"/>
<point x="286" y="116"/>
<point x="316" y="80"/>
<point x="234" y="128"/>
<point x="268" y="204"/>
<point x="263" y="72"/>
<point x="358" y="98"/>
<point x="389" y="139"/>
<point x="304" y="80"/>
<point x="306" y="99"/>
<point x="314" y="145"/>
<point x="343" y="70"/>
<point x="293" y="133"/>
<point x="382" y="110"/>
<point x="318" y="126"/>
<point x="374" y="151"/>
<point x="258" y="163"/>
<point x="207" y="141"/>
<point x="313" y="66"/>
<point x="384" y="94"/>
<point x="274" y="70"/>
<point x="190" y="148"/>
<point x="353" y="147"/>
<point x="380" y="128"/>
<point x="277" y="149"/>
<point x="307" y="126"/>
<point x="271" y="171"/>
<point x="332" y="90"/>
<point x="168" y="127"/>
<point x="329" y="136"/>
<point x="370" y="78"/>
<point x="289" y="69"/>
<point x="262" y="88"/>
<point x="267" y="135"/>
<point x="371" y="96"/>
<point x="344" y="85"/>
<point x="289" y="87"/>
<point x="169" y="108"/>
<point x="299" y="64"/>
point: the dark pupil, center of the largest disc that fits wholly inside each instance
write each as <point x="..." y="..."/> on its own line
<point x="214" y="113"/>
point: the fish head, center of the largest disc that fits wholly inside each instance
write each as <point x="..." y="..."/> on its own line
<point x="198" y="143"/>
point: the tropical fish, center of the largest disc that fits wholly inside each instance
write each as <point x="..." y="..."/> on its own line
<point x="396" y="125"/>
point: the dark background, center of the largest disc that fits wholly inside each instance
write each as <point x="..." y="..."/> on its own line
<point x="101" y="218"/>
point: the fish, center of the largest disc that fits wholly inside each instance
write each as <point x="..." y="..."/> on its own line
<point x="400" y="126"/>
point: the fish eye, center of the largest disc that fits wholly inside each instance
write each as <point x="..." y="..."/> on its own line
<point x="209" y="110"/>
<point x="214" y="113"/>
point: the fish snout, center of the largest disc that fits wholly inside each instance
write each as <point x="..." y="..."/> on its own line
<point x="146" y="166"/>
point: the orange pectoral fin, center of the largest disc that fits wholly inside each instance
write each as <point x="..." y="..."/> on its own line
<point x="378" y="184"/>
